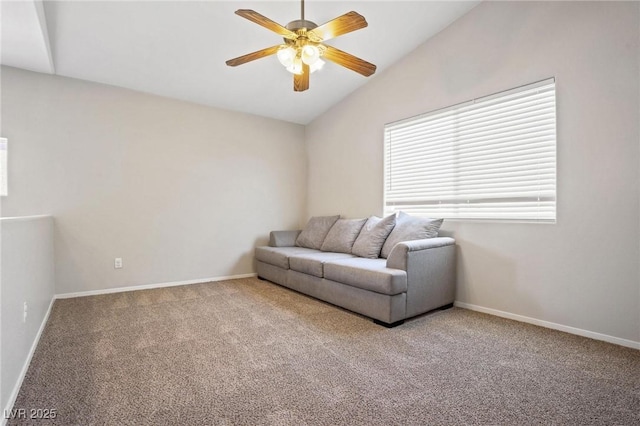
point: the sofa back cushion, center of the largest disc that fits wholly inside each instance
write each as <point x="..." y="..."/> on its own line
<point x="313" y="235"/>
<point x="342" y="235"/>
<point x="409" y="228"/>
<point x="372" y="236"/>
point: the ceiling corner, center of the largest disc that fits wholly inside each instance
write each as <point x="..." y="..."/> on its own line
<point x="42" y="19"/>
<point x="25" y="37"/>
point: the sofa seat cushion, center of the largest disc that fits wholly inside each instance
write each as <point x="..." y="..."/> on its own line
<point x="279" y="256"/>
<point x="312" y="263"/>
<point x="367" y="274"/>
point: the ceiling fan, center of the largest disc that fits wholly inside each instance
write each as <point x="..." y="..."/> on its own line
<point x="303" y="45"/>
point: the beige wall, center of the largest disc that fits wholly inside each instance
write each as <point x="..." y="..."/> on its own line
<point x="581" y="272"/>
<point x="179" y="191"/>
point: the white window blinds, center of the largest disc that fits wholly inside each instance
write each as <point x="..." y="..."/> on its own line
<point x="490" y="158"/>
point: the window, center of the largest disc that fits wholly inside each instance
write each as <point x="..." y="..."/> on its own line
<point x="3" y="166"/>
<point x="491" y="158"/>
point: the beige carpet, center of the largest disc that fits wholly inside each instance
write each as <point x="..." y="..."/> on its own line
<point x="251" y="352"/>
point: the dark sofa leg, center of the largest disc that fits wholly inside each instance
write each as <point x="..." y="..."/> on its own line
<point x="261" y="279"/>
<point x="449" y="306"/>
<point x="387" y="325"/>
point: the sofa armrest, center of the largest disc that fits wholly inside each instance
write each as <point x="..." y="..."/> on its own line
<point x="283" y="238"/>
<point x="431" y="272"/>
<point x="398" y="257"/>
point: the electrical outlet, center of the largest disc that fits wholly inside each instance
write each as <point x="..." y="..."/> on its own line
<point x="118" y="263"/>
<point x="24" y="312"/>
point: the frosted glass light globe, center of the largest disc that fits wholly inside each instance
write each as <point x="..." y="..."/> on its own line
<point x="295" y="67"/>
<point x="286" y="56"/>
<point x="310" y="54"/>
<point x="317" y="65"/>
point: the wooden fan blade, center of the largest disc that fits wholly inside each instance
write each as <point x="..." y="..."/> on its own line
<point x="349" y="61"/>
<point x="259" y="19"/>
<point x="253" y="56"/>
<point x="341" y="25"/>
<point x="301" y="81"/>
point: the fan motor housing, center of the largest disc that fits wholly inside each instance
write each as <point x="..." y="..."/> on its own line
<point x="300" y="24"/>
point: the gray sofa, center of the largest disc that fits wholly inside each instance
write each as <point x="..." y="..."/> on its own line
<point x="418" y="276"/>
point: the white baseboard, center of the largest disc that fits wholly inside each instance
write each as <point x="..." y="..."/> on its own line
<point x="25" y="366"/>
<point x="150" y="286"/>
<point x="552" y="325"/>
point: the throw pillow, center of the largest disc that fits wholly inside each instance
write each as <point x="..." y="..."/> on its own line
<point x="410" y="228"/>
<point x="342" y="235"/>
<point x="312" y="236"/>
<point x="372" y="237"/>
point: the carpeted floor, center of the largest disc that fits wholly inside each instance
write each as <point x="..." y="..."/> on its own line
<point x="251" y="352"/>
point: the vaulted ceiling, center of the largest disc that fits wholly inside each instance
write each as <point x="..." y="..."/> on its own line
<point x="178" y="49"/>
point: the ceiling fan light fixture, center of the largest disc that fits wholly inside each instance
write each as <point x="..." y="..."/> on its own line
<point x="296" y="66"/>
<point x="286" y="55"/>
<point x="317" y="65"/>
<point x="304" y="45"/>
<point x="310" y="54"/>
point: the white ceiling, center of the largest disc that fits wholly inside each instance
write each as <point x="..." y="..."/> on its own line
<point x="178" y="49"/>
